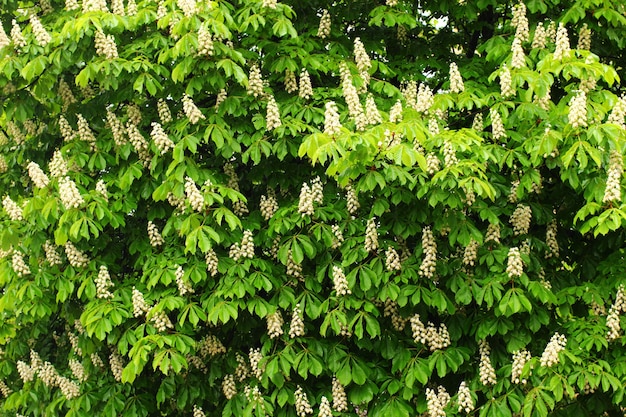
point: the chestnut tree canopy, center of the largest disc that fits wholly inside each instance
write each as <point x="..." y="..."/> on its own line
<point x="307" y="208"/>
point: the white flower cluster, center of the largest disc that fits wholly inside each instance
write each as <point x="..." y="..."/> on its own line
<point x="160" y="320"/>
<point x="340" y="399"/>
<point x="188" y="7"/>
<point x="6" y="391"/>
<point x="4" y="39"/>
<point x="436" y="402"/>
<point x="613" y="318"/>
<point x="117" y="128"/>
<point x="68" y="191"/>
<point x="395" y="113"/>
<point x="84" y="132"/>
<point x="337" y="236"/>
<point x="305" y="88"/>
<point x="103" y="283"/>
<point x="456" y="81"/>
<point x="432" y="163"/>
<point x="372" y="115"/>
<point x="550" y="355"/>
<point x="296" y="328"/>
<point x="392" y="260"/>
<point x="69" y="389"/>
<point x="191" y="111"/>
<point x="41" y="35"/>
<point x="520" y="21"/>
<point x="464" y="399"/>
<point x="228" y="386"/>
<point x="269" y="4"/>
<point x="268" y="205"/>
<point x="613" y="190"/>
<point x="551" y="242"/>
<point x="324" y="28"/>
<point x="48" y="374"/>
<point x="363" y="63"/>
<point x="242" y="371"/>
<point x="310" y="195"/>
<point x="101" y="188"/>
<point x="515" y="265"/>
<point x="197" y="411"/>
<point x="94" y="6"/>
<point x="577" y="115"/>
<point x="52" y="256"/>
<point x="205" y="42"/>
<point x="117" y="366"/>
<point x="221" y="96"/>
<point x="485" y="369"/>
<point x="78" y="370"/>
<point x="506" y="83"/>
<point x="27" y="373"/>
<point x="96" y="360"/>
<point x="340" y="282"/>
<point x="140" y="307"/>
<point x="352" y="201"/>
<point x="539" y="38"/>
<point x="470" y="253"/>
<point x="184" y="287"/>
<point x="449" y="154"/>
<point x="13" y="210"/>
<point x="4" y="167"/>
<point x="255" y="357"/>
<point x="435" y="338"/>
<point x="371" y="235"/>
<point x="425" y="98"/>
<point x="518" y="58"/>
<point x="15" y="133"/>
<point x="73" y="338"/>
<point x="153" y="234"/>
<point x="584" y="38"/>
<point x="325" y="409"/>
<point x="18" y="264"/>
<point x="165" y="115"/>
<point x="67" y="97"/>
<point x="429" y="247"/>
<point x="293" y="269"/>
<point x="211" y="262"/>
<point x="246" y="249"/>
<point x="391" y="310"/>
<point x="211" y="346"/>
<point x="255" y="81"/>
<point x="117" y="7"/>
<point x="352" y="97"/>
<point x="520" y="219"/>
<point x="105" y="45"/>
<point x="272" y="117"/>
<point x="520" y="358"/>
<point x="17" y="36"/>
<point x="75" y="257"/>
<point x="195" y="197"/>
<point x="302" y="403"/>
<point x="512" y="197"/>
<point x="160" y="138"/>
<point x="497" y="127"/>
<point x="618" y="112"/>
<point x="275" y="324"/>
<point x="291" y="84"/>
<point x="239" y="207"/>
<point x="562" y="43"/>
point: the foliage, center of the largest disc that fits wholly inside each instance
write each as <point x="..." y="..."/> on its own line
<point x="186" y="230"/>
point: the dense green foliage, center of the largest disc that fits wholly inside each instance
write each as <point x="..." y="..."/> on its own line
<point x="461" y="246"/>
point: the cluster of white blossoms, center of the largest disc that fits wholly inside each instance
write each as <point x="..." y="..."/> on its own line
<point x="323" y="30"/>
<point x="17" y="36"/>
<point x="117" y="366"/>
<point x="73" y="338"/>
<point x="429" y="248"/>
<point x="239" y="207"/>
<point x="255" y="81"/>
<point x="268" y="204"/>
<point x="296" y="328"/>
<point x="434" y="337"/>
<point x="117" y="7"/>
<point x="449" y="154"/>
<point x="392" y="260"/>
<point x="134" y="114"/>
<point x="551" y="242"/>
<point x="352" y="201"/>
<point x="96" y="360"/>
<point x="75" y="257"/>
<point x="140" y="307"/>
<point x="355" y="110"/>
<point x="337" y="236"/>
<point x="66" y="130"/>
<point x="562" y="43"/>
<point x="6" y="391"/>
<point x="242" y="371"/>
<point x="291" y="84"/>
<point x="243" y="250"/>
<point x="211" y="346"/>
<point x="305" y="89"/>
<point x="372" y="115"/>
<point x="275" y="324"/>
<point x="340" y="399"/>
<point x="103" y="283"/>
<point x="69" y="389"/>
<point x="613" y="190"/>
<point x="515" y="265"/>
<point x="101" y="188"/>
<point x="371" y="235"/>
<point x="577" y="115"/>
<point x="470" y="253"/>
<point x="95" y="6"/>
<point x="105" y="45"/>
<point x="205" y="42"/>
<point x="310" y="195"/>
<point x="160" y="320"/>
<point x="618" y="113"/>
<point x="84" y="132"/>
<point x="272" y="117"/>
<point x="4" y="39"/>
<point x="69" y="194"/>
<point x="221" y="96"/>
<point x="195" y="197"/>
<point x="191" y="111"/>
<point x="613" y="318"/>
<point x="18" y="264"/>
<point x="189" y="7"/>
<point x="550" y="355"/>
<point x="520" y="358"/>
<point x="518" y="59"/>
<point x="520" y="22"/>
<point x="211" y="262"/>
<point x="520" y="219"/>
<point x="228" y="386"/>
<point x="395" y="113"/>
<point x="512" y="197"/>
<point x="303" y="407"/>
<point x="165" y="115"/>
<point x="160" y="138"/>
<point x="67" y="97"/>
<point x="183" y="286"/>
<point x="506" y="83"/>
<point x="340" y="281"/>
<point x="456" y="81"/>
<point x="391" y="310"/>
<point x="41" y="35"/>
<point x="485" y="369"/>
<point x="154" y="235"/>
<point x="497" y="127"/>
<point x="584" y="38"/>
<point x="539" y="38"/>
<point x="464" y="398"/>
<point x="425" y="98"/>
<point x="15" y="133"/>
<point x="48" y="374"/>
<point x="363" y="62"/>
<point x="13" y="210"/>
<point x="27" y="373"/>
<point x="437" y="401"/>
<point x="78" y="370"/>
<point x="117" y="129"/>
<point x="432" y="163"/>
<point x="197" y="411"/>
<point x="325" y="409"/>
<point x="4" y="167"/>
<point x="52" y="256"/>
<point x="255" y="357"/>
